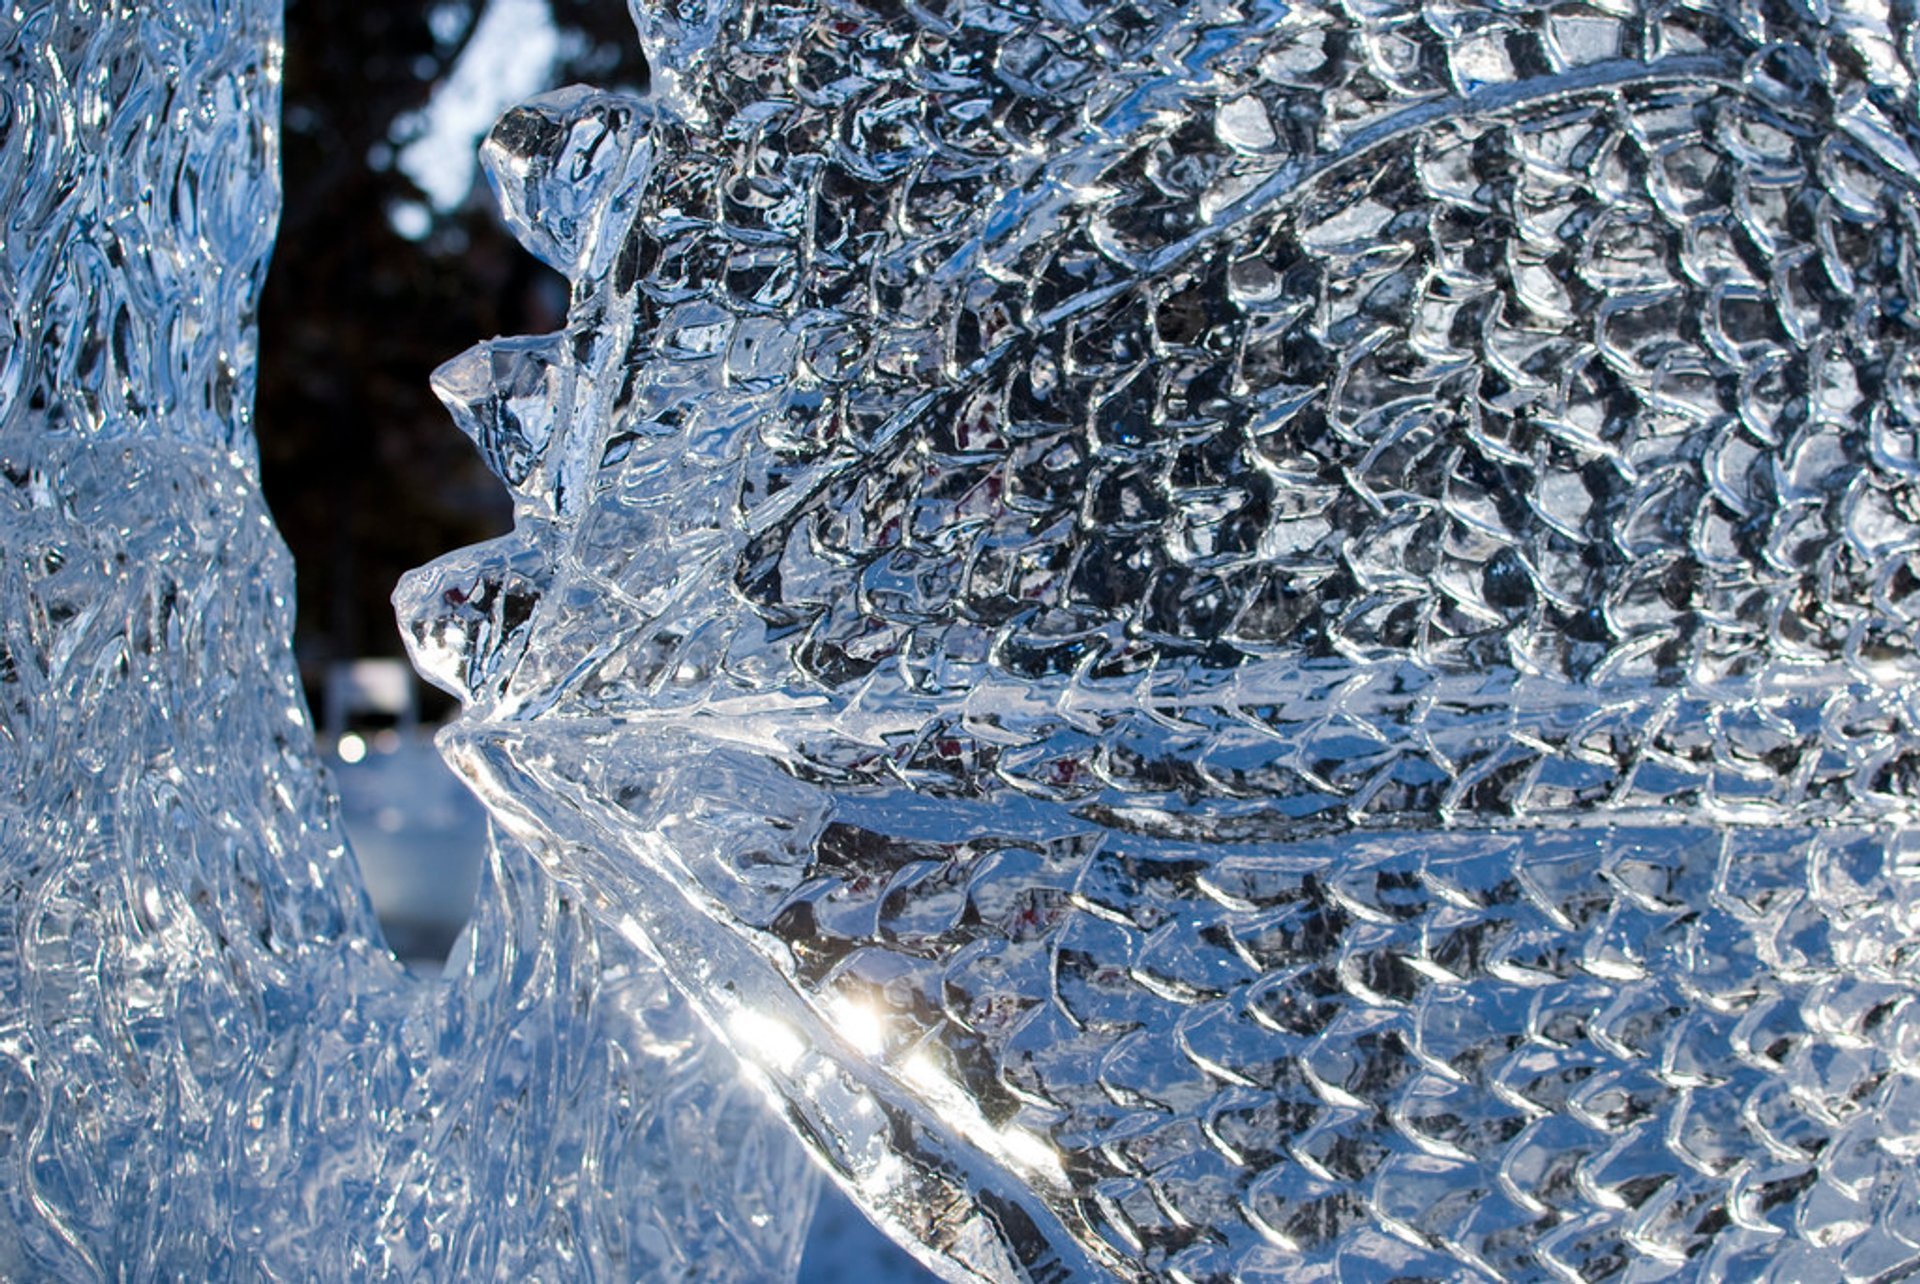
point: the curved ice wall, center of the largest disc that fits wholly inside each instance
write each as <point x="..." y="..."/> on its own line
<point x="1238" y="640"/>
<point x="210" y="1067"/>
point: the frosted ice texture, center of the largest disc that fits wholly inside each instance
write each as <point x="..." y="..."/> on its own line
<point x="210" y="1068"/>
<point x="1243" y="641"/>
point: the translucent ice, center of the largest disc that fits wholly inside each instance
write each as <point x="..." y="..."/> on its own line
<point x="1244" y="641"/>
<point x="209" y="1066"/>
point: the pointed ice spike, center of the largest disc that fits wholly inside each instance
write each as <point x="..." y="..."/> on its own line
<point x="506" y="395"/>
<point x="464" y="616"/>
<point x="565" y="164"/>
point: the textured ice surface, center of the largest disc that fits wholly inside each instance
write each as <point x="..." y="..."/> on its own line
<point x="209" y="1066"/>
<point x="1243" y="641"/>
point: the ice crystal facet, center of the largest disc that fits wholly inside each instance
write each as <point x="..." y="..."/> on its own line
<point x="1243" y="641"/>
<point x="209" y="1066"/>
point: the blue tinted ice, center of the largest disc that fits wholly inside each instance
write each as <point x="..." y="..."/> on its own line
<point x="1243" y="641"/>
<point x="210" y="1068"/>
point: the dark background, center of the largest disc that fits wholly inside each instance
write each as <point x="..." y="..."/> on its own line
<point x="364" y="471"/>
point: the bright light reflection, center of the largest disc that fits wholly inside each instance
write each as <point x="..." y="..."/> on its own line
<point x="883" y="1175"/>
<point x="768" y="1039"/>
<point x="1019" y="1148"/>
<point x="351" y="748"/>
<point x="1030" y="1151"/>
<point x="860" y="1025"/>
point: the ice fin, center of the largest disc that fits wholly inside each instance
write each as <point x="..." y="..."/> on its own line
<point x="566" y="166"/>
<point x="507" y="395"/>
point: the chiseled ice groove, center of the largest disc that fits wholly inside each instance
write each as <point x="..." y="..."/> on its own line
<point x="1277" y="191"/>
<point x="1062" y="180"/>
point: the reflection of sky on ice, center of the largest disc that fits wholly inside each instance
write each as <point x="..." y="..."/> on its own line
<point x="509" y="58"/>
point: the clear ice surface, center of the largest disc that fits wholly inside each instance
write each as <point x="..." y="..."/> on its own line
<point x="210" y="1067"/>
<point x="1242" y="641"/>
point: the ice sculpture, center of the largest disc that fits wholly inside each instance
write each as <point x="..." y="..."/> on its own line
<point x="1243" y="640"/>
<point x="209" y="1066"/>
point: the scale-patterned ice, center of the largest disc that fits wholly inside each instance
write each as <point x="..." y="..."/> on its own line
<point x="210" y="1068"/>
<point x="1243" y="641"/>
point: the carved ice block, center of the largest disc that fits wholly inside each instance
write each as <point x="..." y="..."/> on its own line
<point x="1242" y="641"/>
